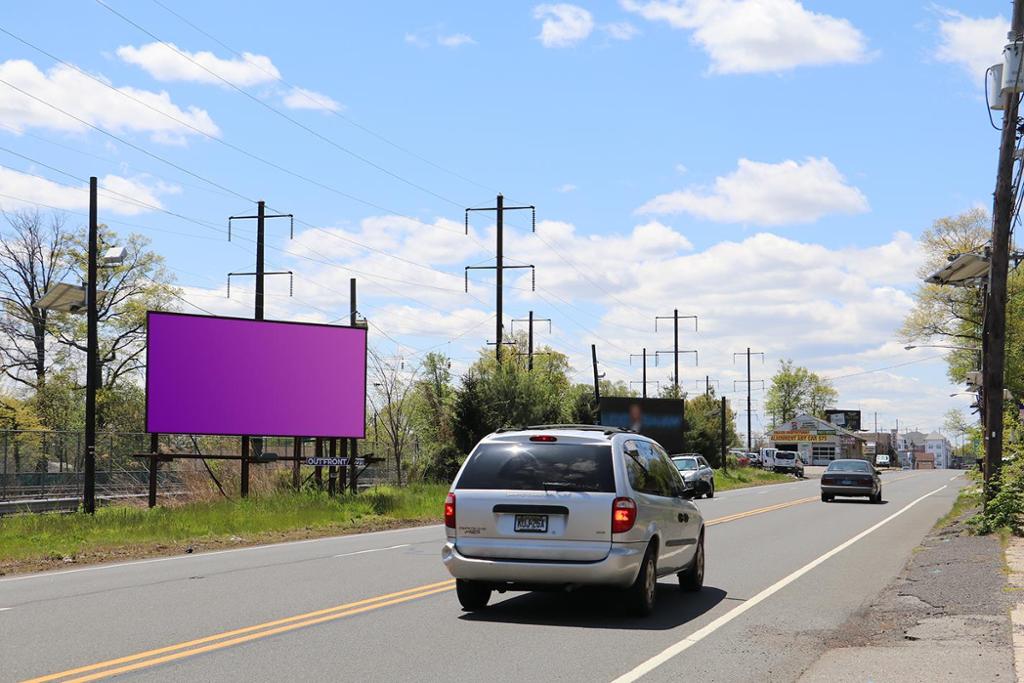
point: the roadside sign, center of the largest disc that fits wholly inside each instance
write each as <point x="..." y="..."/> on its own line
<point x="333" y="462"/>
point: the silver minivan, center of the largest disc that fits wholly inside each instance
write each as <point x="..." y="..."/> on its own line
<point x="561" y="506"/>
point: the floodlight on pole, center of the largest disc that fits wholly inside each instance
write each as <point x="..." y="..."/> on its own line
<point x="961" y="270"/>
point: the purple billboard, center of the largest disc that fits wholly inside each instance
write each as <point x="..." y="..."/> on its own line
<point x="232" y="376"/>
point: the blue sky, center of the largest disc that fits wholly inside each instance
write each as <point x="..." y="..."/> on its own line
<point x="781" y="157"/>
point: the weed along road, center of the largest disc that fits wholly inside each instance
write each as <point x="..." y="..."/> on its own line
<point x="783" y="571"/>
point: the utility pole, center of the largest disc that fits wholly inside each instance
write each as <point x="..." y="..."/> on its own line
<point x="675" y="335"/>
<point x="91" y="351"/>
<point x="499" y="263"/>
<point x="1002" y="219"/>
<point x="725" y="451"/>
<point x="748" y="354"/>
<point x="697" y="384"/>
<point x="260" y="273"/>
<point x="353" y="450"/>
<point x="597" y="381"/>
<point x="645" y="356"/>
<point x="529" y="344"/>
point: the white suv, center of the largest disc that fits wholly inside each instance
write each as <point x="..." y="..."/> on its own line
<point x="555" y="507"/>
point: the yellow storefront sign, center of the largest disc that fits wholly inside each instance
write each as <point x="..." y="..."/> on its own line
<point x="798" y="436"/>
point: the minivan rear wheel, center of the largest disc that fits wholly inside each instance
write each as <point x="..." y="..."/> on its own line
<point x="640" y="597"/>
<point x="691" y="579"/>
<point x="472" y="595"/>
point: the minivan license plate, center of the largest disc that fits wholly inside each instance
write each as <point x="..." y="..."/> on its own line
<point x="532" y="523"/>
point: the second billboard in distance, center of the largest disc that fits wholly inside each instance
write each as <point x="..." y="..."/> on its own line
<point x="659" y="418"/>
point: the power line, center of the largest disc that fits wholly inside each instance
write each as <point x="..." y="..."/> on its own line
<point x="302" y="92"/>
<point x="275" y="110"/>
<point x="208" y="136"/>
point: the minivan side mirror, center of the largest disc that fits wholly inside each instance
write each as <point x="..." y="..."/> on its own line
<point x="689" y="491"/>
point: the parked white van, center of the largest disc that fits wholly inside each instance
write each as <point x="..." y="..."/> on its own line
<point x="768" y="458"/>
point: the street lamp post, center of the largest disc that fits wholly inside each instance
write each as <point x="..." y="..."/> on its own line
<point x="67" y="298"/>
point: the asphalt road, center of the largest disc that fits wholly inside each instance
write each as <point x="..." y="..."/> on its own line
<point x="783" y="569"/>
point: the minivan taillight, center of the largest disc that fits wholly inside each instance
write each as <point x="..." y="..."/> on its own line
<point x="623" y="515"/>
<point x="449" y="511"/>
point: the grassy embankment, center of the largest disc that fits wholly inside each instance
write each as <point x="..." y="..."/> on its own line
<point x="41" y="541"/>
<point x="742" y="477"/>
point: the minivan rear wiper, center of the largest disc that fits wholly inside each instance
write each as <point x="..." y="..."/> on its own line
<point x="565" y="486"/>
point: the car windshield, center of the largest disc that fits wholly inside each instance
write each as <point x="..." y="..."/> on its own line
<point x="685" y="464"/>
<point x="539" y="467"/>
<point x="849" y="466"/>
<point x="785" y="455"/>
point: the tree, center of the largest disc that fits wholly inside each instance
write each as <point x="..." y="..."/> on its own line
<point x="795" y="389"/>
<point x="704" y="427"/>
<point x="33" y="258"/>
<point x="944" y="314"/>
<point x="390" y="401"/>
<point x="141" y="283"/>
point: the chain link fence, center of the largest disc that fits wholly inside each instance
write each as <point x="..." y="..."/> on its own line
<point x="44" y="464"/>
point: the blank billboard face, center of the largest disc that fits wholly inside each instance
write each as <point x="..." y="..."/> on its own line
<point x="210" y="375"/>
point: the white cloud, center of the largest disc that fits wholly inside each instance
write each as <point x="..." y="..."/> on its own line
<point x="434" y="35"/>
<point x="567" y="187"/>
<point x="681" y="168"/>
<point x="164" y="63"/>
<point x="759" y="193"/>
<point x="564" y="25"/>
<point x="301" y="98"/>
<point x="455" y="40"/>
<point x="621" y="30"/>
<point x="90" y="101"/>
<point x="972" y="43"/>
<point x="751" y="36"/>
<point x="834" y="310"/>
<point x="117" y="194"/>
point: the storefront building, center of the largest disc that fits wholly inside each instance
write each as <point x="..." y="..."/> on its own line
<point x="818" y="442"/>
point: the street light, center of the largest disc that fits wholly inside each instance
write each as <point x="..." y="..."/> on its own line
<point x="961" y="270"/>
<point x="70" y="299"/>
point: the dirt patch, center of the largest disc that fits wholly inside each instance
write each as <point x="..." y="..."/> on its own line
<point x="125" y="553"/>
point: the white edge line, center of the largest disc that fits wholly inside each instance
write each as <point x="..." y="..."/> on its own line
<point x="374" y="550"/>
<point x="4" y="609"/>
<point x="42" y="575"/>
<point x="699" y="635"/>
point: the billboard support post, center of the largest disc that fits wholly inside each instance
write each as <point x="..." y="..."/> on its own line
<point x="332" y="471"/>
<point x="318" y="471"/>
<point x="154" y="463"/>
<point x="296" y="465"/>
<point x="244" y="485"/>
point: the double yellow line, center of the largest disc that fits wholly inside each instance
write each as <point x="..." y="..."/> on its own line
<point x="170" y="653"/>
<point x="760" y="511"/>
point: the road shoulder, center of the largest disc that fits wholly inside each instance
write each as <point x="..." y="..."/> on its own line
<point x="945" y="617"/>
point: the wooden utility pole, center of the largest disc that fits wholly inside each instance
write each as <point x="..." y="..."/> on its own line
<point x="995" y="309"/>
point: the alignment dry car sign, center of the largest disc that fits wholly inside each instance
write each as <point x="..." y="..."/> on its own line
<point x="212" y="375"/>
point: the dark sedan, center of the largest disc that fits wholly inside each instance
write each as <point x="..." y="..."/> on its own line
<point x="851" y="478"/>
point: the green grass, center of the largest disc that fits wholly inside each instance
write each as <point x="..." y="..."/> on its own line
<point x="43" y="537"/>
<point x="742" y="477"/>
<point x="969" y="499"/>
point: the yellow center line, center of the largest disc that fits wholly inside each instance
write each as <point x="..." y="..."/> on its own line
<point x="287" y="623"/>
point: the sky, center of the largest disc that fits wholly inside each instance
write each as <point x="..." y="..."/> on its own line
<point x="764" y="165"/>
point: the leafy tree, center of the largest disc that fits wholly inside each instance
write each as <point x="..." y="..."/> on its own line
<point x="33" y="258"/>
<point x="704" y="427"/>
<point x="795" y="389"/>
<point x="944" y="314"/>
<point x="140" y="284"/>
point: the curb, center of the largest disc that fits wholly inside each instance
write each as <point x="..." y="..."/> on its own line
<point x="1015" y="564"/>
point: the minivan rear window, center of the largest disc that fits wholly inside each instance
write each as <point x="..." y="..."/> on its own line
<point x="539" y="467"/>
